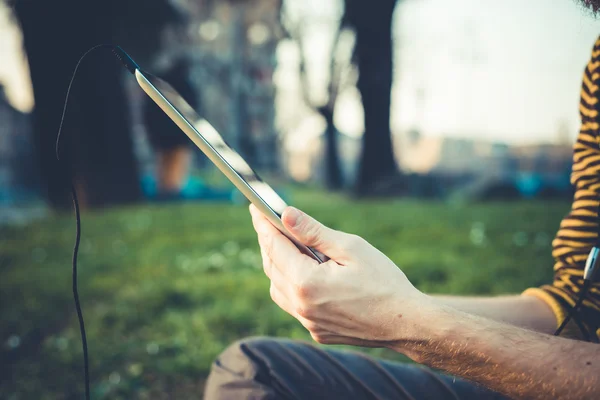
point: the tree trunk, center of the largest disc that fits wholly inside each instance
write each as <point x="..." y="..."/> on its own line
<point x="239" y="135"/>
<point x="97" y="141"/>
<point x="333" y="171"/>
<point x="372" y="22"/>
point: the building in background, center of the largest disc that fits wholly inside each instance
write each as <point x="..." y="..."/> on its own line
<point x="235" y="55"/>
<point x="457" y="164"/>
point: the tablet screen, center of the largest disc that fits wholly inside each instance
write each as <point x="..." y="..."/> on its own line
<point x="211" y="136"/>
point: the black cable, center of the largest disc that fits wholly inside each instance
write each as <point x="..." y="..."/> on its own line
<point x="86" y="363"/>
<point x="78" y="230"/>
<point x="62" y="118"/>
<point x="574" y="310"/>
<point x="587" y="336"/>
<point x="589" y="276"/>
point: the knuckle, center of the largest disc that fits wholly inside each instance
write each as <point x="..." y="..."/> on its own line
<point x="350" y="242"/>
<point x="313" y="233"/>
<point x="310" y="326"/>
<point x="321" y="339"/>
<point x="266" y="267"/>
<point x="326" y="340"/>
<point x="303" y="291"/>
<point x="273" y="293"/>
<point x="304" y="312"/>
<point x="268" y="245"/>
<point x="356" y="240"/>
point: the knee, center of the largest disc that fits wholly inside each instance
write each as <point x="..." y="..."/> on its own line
<point x="243" y="356"/>
<point x="241" y="369"/>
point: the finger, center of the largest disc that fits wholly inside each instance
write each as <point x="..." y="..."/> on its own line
<point x="282" y="252"/>
<point x="276" y="277"/>
<point x="257" y="215"/>
<point x="308" y="231"/>
<point x="281" y="300"/>
<point x="267" y="263"/>
<point x="286" y="304"/>
<point x="262" y="225"/>
<point x="325" y="337"/>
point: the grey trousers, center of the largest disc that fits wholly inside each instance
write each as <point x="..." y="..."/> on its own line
<point x="263" y="368"/>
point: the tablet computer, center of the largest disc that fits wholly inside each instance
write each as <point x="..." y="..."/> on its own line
<point x="211" y="143"/>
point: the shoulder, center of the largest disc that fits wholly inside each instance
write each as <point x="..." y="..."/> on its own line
<point x="590" y="88"/>
<point x="594" y="63"/>
<point x="596" y="47"/>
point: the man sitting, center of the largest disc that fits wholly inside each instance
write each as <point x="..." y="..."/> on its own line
<point x="487" y="348"/>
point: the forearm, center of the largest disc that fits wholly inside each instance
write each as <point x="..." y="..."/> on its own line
<point x="524" y="311"/>
<point x="519" y="363"/>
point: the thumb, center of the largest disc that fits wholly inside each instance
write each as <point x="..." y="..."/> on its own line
<point x="312" y="233"/>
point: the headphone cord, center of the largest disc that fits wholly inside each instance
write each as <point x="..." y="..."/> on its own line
<point x="84" y="345"/>
<point x="86" y="365"/>
<point x="589" y="276"/>
<point x="574" y="311"/>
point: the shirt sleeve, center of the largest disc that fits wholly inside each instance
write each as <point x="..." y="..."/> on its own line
<point x="578" y="231"/>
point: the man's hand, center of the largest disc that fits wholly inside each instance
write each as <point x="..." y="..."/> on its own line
<point x="359" y="297"/>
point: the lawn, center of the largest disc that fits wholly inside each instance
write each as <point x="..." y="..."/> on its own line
<point x="166" y="288"/>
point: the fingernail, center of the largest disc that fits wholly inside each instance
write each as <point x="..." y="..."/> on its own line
<point x="293" y="216"/>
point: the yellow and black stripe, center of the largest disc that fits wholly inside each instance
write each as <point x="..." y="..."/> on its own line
<point x="578" y="231"/>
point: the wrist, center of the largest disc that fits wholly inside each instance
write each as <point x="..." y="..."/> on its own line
<point x="425" y="322"/>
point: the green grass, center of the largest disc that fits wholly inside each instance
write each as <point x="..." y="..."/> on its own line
<point x="166" y="288"/>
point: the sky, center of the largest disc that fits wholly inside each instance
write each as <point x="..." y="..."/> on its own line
<point x="506" y="70"/>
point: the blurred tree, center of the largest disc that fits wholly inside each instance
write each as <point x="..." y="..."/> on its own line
<point x="15" y="148"/>
<point x="97" y="140"/>
<point x="372" y="23"/>
<point x="297" y="28"/>
<point x="564" y="135"/>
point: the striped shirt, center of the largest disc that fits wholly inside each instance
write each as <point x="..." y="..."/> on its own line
<point x="578" y="231"/>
